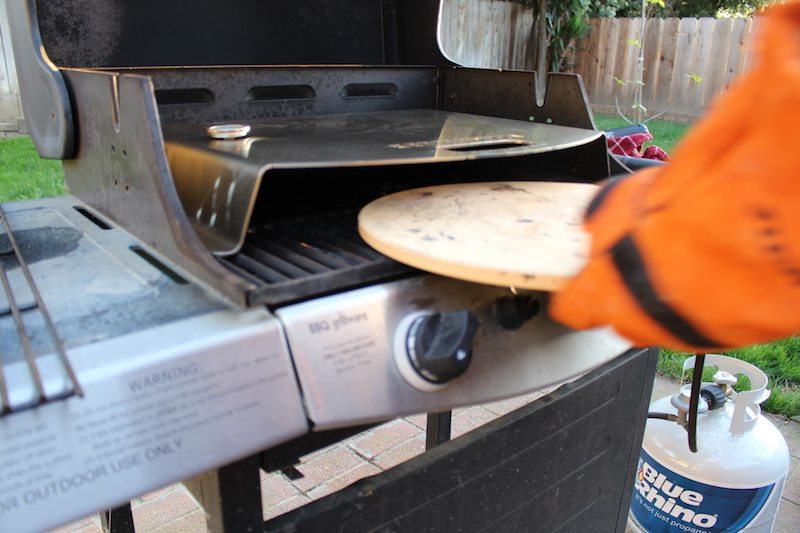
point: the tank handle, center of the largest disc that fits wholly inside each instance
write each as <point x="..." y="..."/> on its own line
<point x="746" y="404"/>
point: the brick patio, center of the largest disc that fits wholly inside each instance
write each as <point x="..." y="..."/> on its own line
<point x="173" y="509"/>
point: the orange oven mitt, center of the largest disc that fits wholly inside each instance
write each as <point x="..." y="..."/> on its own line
<point x="704" y="253"/>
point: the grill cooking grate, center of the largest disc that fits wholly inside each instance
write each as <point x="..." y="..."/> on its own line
<point x="297" y="258"/>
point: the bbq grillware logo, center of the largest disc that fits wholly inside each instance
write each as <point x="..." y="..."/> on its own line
<point x="665" y="502"/>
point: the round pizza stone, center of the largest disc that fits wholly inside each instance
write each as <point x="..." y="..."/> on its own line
<point x="525" y="235"/>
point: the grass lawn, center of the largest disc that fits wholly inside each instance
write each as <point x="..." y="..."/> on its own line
<point x="24" y="176"/>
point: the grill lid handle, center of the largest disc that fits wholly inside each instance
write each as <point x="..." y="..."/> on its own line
<point x="43" y="92"/>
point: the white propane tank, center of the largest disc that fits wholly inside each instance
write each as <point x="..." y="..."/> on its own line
<point x="733" y="482"/>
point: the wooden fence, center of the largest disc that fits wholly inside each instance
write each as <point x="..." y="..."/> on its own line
<point x="497" y="34"/>
<point x="10" y="112"/>
<point x="487" y="33"/>
<point x="717" y="50"/>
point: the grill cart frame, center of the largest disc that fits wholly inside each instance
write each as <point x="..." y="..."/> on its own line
<point x="100" y="94"/>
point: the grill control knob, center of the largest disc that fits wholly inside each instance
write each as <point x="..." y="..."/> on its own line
<point x="511" y="312"/>
<point x="433" y="349"/>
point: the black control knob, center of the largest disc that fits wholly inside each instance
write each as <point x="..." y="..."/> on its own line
<point x="511" y="312"/>
<point x="439" y="346"/>
<point x="714" y="395"/>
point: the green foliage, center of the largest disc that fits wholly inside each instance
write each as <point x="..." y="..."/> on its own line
<point x="695" y="78"/>
<point x="678" y="8"/>
<point x="566" y="21"/>
<point x="23" y="175"/>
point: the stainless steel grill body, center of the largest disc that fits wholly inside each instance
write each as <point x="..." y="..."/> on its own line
<point x="174" y="382"/>
<point x="343" y="345"/>
<point x="212" y="296"/>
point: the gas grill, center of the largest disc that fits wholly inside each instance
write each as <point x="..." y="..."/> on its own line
<point x="196" y="301"/>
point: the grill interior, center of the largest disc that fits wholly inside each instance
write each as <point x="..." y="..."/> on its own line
<point x="311" y="255"/>
<point x="303" y="238"/>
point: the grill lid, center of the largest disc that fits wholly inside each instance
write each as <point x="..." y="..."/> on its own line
<point x="218" y="181"/>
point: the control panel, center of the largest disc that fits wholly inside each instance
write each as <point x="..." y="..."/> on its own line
<point x="428" y="343"/>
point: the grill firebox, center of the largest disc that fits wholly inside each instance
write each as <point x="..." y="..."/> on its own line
<point x="297" y="258"/>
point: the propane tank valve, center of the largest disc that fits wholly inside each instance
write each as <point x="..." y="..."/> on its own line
<point x="726" y="381"/>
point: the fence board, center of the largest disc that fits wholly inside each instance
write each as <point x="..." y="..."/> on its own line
<point x="652" y="51"/>
<point x="684" y="43"/>
<point x="590" y="48"/>
<point x="745" y="53"/>
<point x="715" y="73"/>
<point x="666" y="60"/>
<point x="622" y="63"/>
<point x="718" y="50"/>
<point x="10" y="110"/>
<point x="700" y="63"/>
<point x="608" y="61"/>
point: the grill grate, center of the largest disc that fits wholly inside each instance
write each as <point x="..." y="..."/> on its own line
<point x="297" y="258"/>
<point x="16" y="312"/>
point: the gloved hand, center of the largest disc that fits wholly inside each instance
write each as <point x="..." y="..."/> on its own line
<point x="704" y="253"/>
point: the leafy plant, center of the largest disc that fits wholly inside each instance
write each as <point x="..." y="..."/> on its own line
<point x="682" y="8"/>
<point x="639" y="111"/>
<point x="557" y="25"/>
<point x="566" y="22"/>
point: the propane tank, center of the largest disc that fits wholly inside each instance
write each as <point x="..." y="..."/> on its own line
<point x="734" y="480"/>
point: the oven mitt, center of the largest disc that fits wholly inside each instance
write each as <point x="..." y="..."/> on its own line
<point x="704" y="253"/>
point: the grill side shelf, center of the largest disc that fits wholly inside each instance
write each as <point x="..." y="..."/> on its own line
<point x="16" y="311"/>
<point x="294" y="259"/>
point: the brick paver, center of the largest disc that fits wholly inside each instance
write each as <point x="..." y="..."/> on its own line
<point x="193" y="522"/>
<point x="151" y="514"/>
<point x="343" y="480"/>
<point x="286" y="506"/>
<point x="383" y="438"/>
<point x="321" y="468"/>
<point x="418" y="420"/>
<point x="465" y="420"/>
<point x="174" y="510"/>
<point x="401" y="453"/>
<point x="275" y="489"/>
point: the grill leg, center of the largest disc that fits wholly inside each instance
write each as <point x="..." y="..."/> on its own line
<point x="119" y="520"/>
<point x="437" y="429"/>
<point x="231" y="496"/>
